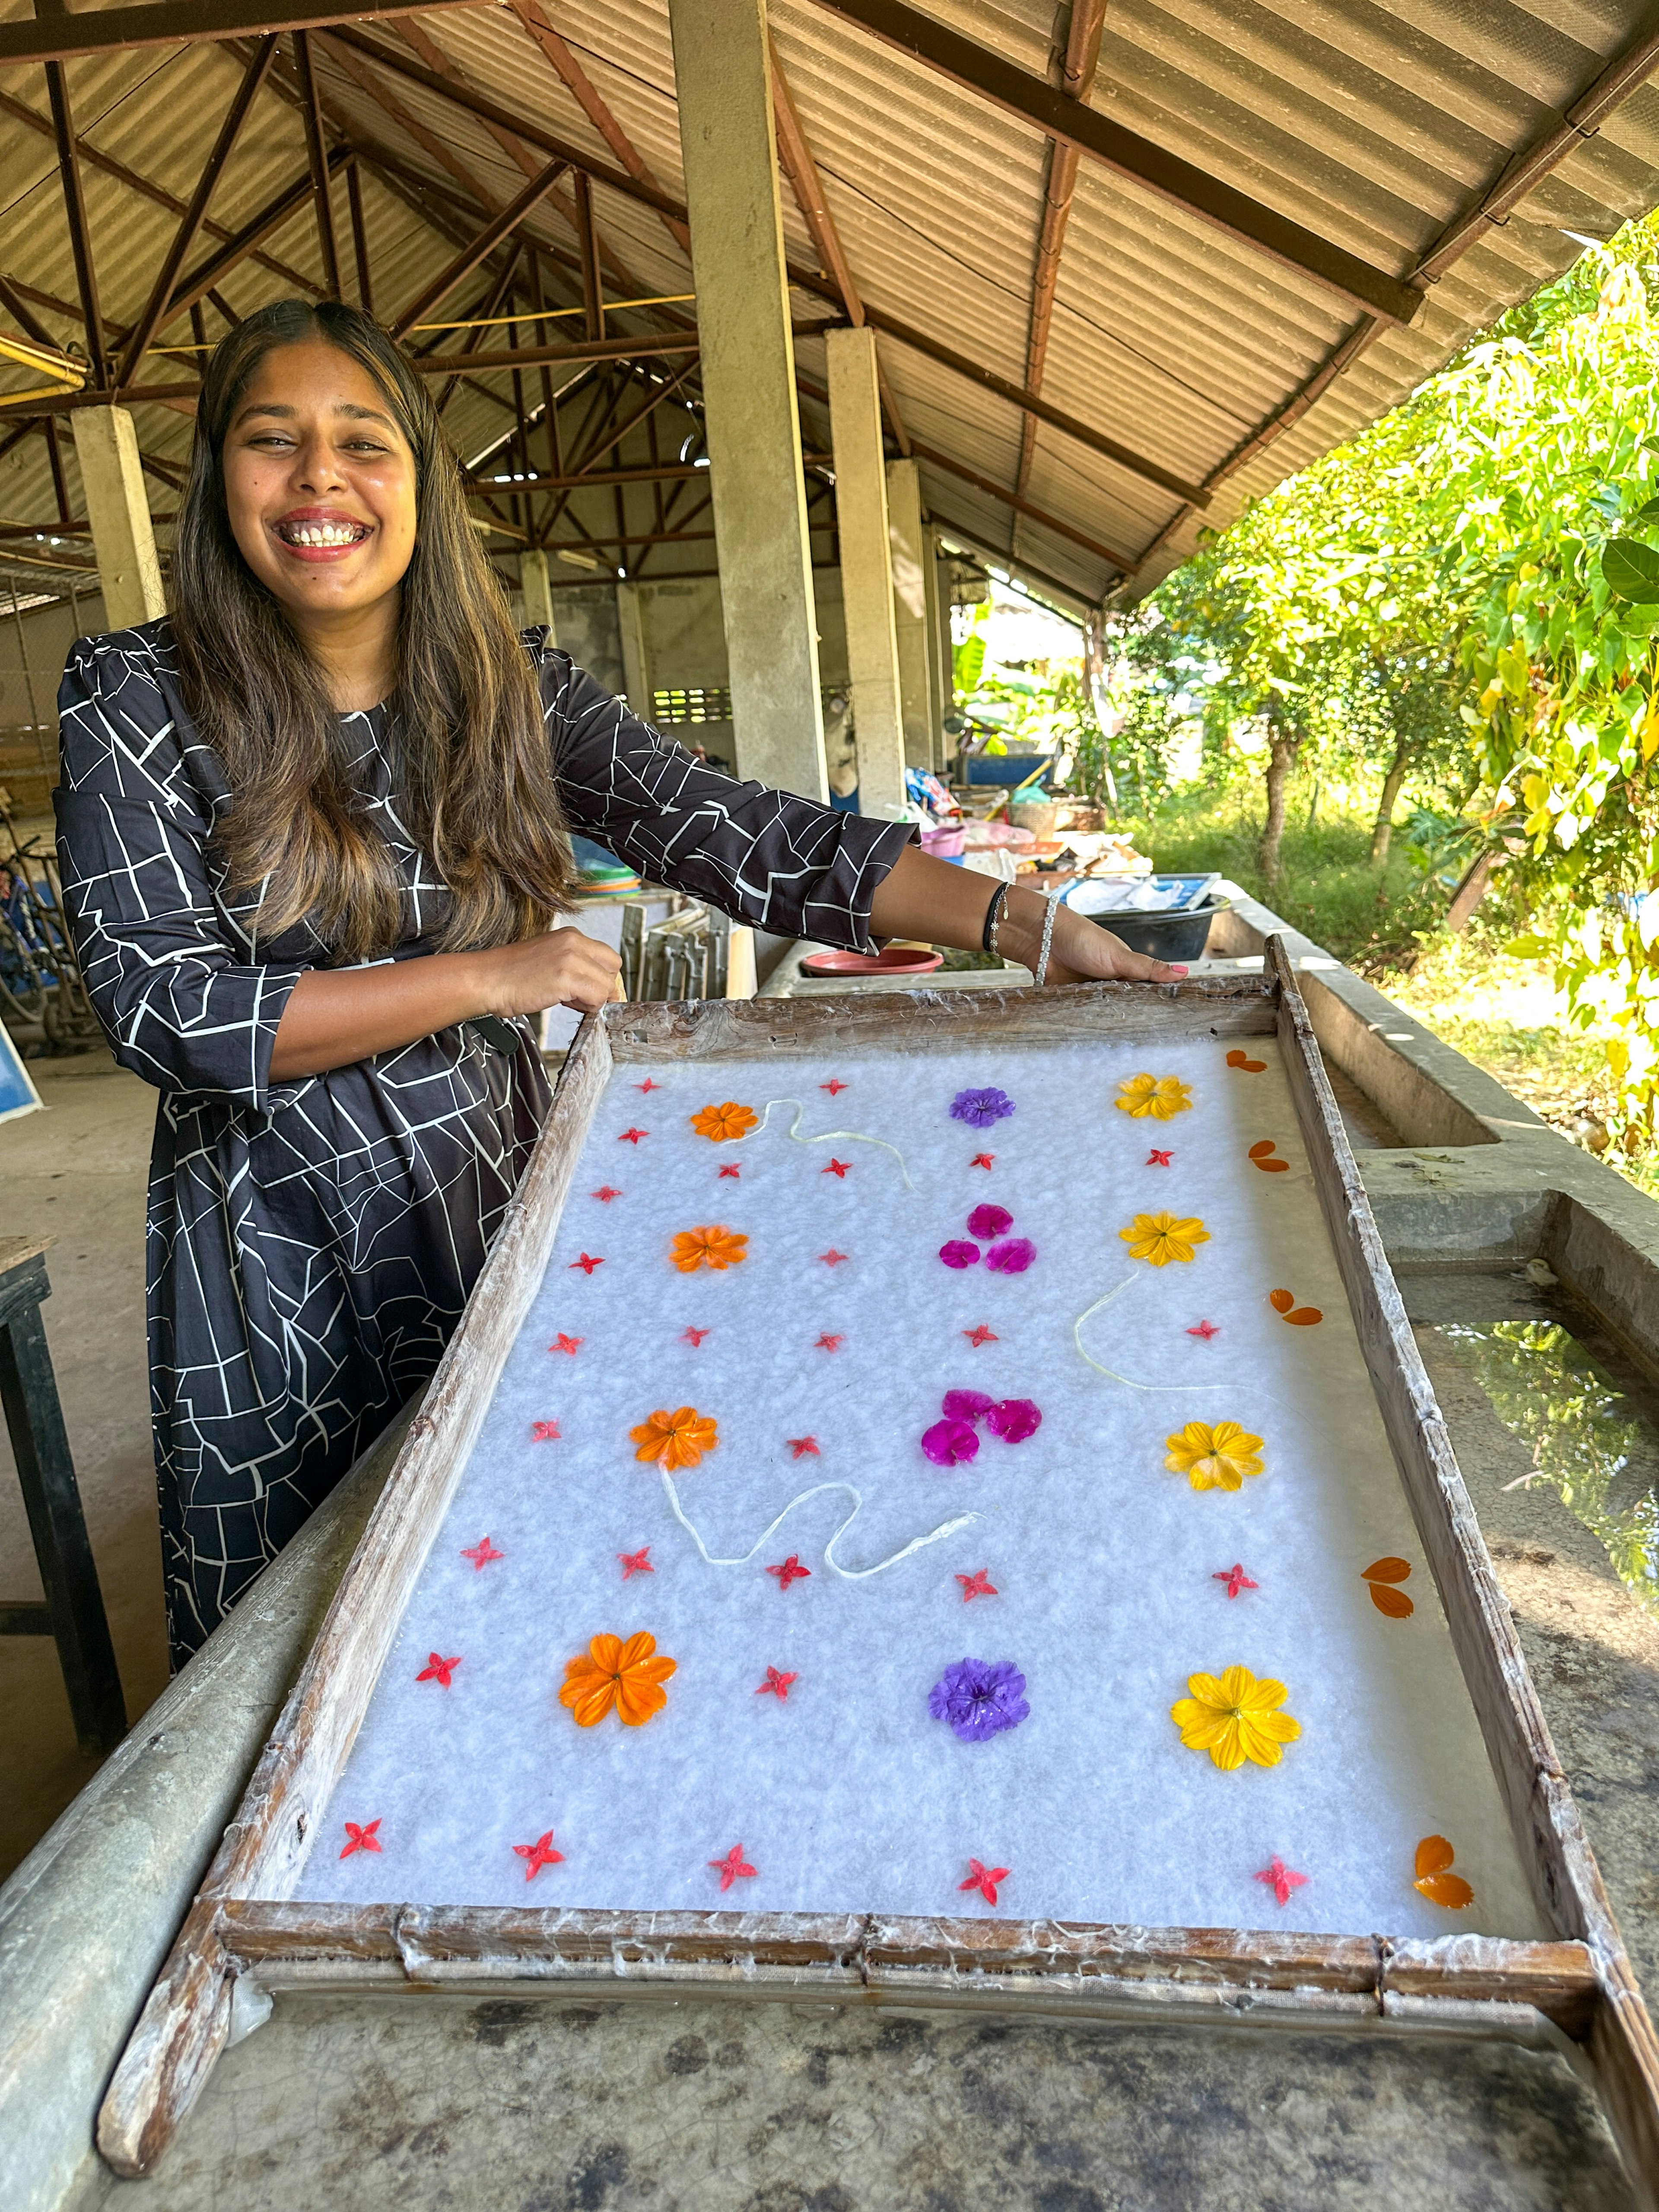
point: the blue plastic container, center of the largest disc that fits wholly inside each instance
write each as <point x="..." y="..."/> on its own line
<point x="1008" y="768"/>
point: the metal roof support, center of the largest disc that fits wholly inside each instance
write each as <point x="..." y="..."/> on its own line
<point x="501" y="226"/>
<point x="149" y="322"/>
<point x="729" y="148"/>
<point x="593" y="285"/>
<point x="24" y="316"/>
<point x="1126" y="561"/>
<point x="866" y="569"/>
<point x="317" y="156"/>
<point x="56" y="36"/>
<point x="491" y="306"/>
<point x="55" y="458"/>
<point x="359" y="237"/>
<point x="1077" y="79"/>
<point x="1032" y="100"/>
<point x="75" y="209"/>
<point x="271" y="217"/>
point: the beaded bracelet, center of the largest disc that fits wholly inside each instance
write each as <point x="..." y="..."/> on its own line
<point x="1052" y="900"/>
<point x="987" y="941"/>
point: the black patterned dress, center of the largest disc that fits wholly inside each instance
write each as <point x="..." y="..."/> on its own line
<point x="312" y="1244"/>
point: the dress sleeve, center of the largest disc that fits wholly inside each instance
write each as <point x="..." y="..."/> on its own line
<point x="767" y="857"/>
<point x="170" y="973"/>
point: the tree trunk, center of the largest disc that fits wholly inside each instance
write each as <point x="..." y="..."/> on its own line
<point x="1281" y="760"/>
<point x="1391" y="783"/>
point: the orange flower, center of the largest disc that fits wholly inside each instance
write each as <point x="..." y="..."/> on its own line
<point x="708" y="1248"/>
<point x="677" y="1440"/>
<point x="720" y="1124"/>
<point x="612" y="1672"/>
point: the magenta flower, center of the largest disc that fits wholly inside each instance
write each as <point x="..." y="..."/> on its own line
<point x="979" y="1109"/>
<point x="1013" y="1258"/>
<point x="980" y="1698"/>
<point x="958" y="1252"/>
<point x="966" y="1405"/>
<point x="1014" y="1420"/>
<point x="989" y="1221"/>
<point x="950" y="1442"/>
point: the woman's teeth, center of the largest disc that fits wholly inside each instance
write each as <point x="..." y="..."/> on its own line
<point x="321" y="533"/>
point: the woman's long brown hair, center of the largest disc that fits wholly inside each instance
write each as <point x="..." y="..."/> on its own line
<point x="472" y="773"/>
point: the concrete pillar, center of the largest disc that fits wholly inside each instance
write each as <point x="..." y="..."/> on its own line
<point x="112" y="479"/>
<point x="942" y="696"/>
<point x="537" y="589"/>
<point x="911" y="554"/>
<point x="723" y="81"/>
<point x="866" y="568"/>
<point x="636" y="661"/>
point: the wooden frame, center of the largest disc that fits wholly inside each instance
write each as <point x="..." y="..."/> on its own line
<point x="246" y="1921"/>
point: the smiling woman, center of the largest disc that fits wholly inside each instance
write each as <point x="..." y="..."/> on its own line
<point x="314" y="828"/>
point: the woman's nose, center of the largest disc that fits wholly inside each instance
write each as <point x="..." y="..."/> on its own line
<point x="315" y="469"/>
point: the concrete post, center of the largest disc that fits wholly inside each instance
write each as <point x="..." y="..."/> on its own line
<point x="723" y="80"/>
<point x="534" y="584"/>
<point x="636" y="661"/>
<point x="866" y="568"/>
<point x="943" y="690"/>
<point x="106" y="447"/>
<point x="911" y="554"/>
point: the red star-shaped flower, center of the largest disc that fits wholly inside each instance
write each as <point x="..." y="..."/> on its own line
<point x="791" y="1570"/>
<point x="693" y="1336"/>
<point x="362" y="1839"/>
<point x="586" y="1263"/>
<point x="605" y="1193"/>
<point x="977" y="1585"/>
<point x="833" y="1087"/>
<point x="544" y="1432"/>
<point x="1206" y="1329"/>
<point x="1280" y="1880"/>
<point x="1235" y="1579"/>
<point x="828" y="1343"/>
<point x="538" y="1855"/>
<point x="984" y="1879"/>
<point x="481" y="1553"/>
<point x="636" y="1562"/>
<point x="777" y="1683"/>
<point x="982" y="1159"/>
<point x="631" y="1136"/>
<point x="563" y="1343"/>
<point x="803" y="1447"/>
<point x="832" y="1258"/>
<point x="731" y="1867"/>
<point x="838" y="1168"/>
<point x="648" y="1085"/>
<point x="733" y="1170"/>
<point x="980" y="1335"/>
<point x="438" y="1670"/>
<point x="1157" y="1159"/>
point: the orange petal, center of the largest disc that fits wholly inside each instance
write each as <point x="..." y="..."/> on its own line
<point x="1447" y="1889"/>
<point x="1387" y="1569"/>
<point x="637" y="1699"/>
<point x="1280" y="1301"/>
<point x="1304" y="1317"/>
<point x="1261" y="1152"/>
<point x="1274" y="1167"/>
<point x="590" y="1700"/>
<point x="1393" y="1603"/>
<point x="1434" y="1856"/>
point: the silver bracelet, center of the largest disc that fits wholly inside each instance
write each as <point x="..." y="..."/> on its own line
<point x="1052" y="899"/>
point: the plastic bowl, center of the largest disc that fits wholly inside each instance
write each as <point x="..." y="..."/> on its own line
<point x="896" y="960"/>
<point x="944" y="844"/>
<point x="1175" y="937"/>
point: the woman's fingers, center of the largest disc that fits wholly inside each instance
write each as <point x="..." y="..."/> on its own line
<point x="1083" y="952"/>
<point x="561" y="967"/>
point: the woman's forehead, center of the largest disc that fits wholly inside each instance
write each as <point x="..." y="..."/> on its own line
<point x="314" y="379"/>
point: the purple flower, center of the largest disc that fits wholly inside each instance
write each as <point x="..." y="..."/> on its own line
<point x="966" y="1405"/>
<point x="980" y="1699"/>
<point x="1013" y="1258"/>
<point x="951" y="1441"/>
<point x="988" y="1221"/>
<point x="1014" y="1420"/>
<point x="979" y="1109"/>
<point x="958" y="1252"/>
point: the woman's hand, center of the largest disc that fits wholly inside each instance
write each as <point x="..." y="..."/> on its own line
<point x="560" y="968"/>
<point x="1079" y="951"/>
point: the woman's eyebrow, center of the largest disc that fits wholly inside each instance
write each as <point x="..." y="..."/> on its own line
<point x="341" y="407"/>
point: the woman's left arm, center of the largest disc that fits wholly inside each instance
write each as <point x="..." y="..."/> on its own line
<point x="945" y="905"/>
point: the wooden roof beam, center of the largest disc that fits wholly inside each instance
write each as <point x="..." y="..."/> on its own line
<point x="1140" y="162"/>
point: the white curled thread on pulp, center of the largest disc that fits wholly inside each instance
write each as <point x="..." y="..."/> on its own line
<point x="847" y="1574"/>
<point x="830" y="1136"/>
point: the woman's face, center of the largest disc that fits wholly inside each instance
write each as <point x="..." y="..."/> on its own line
<point x="320" y="482"/>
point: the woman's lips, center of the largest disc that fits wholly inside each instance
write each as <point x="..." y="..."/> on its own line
<point x="321" y="541"/>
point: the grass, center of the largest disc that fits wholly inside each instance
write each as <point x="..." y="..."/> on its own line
<point x="1505" y="1014"/>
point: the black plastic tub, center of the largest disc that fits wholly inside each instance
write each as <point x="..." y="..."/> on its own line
<point x="1165" y="936"/>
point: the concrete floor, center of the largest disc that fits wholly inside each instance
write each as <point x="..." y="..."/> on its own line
<point x="76" y="1172"/>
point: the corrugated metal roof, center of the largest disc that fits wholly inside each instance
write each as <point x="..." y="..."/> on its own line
<point x="1374" y="124"/>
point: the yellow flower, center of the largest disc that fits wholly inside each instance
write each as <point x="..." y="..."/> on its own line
<point x="1160" y="1238"/>
<point x="720" y="1123"/>
<point x="709" y="1247"/>
<point x="1235" y="1718"/>
<point x="1216" y="1458"/>
<point x="677" y="1439"/>
<point x="1162" y="1095"/>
